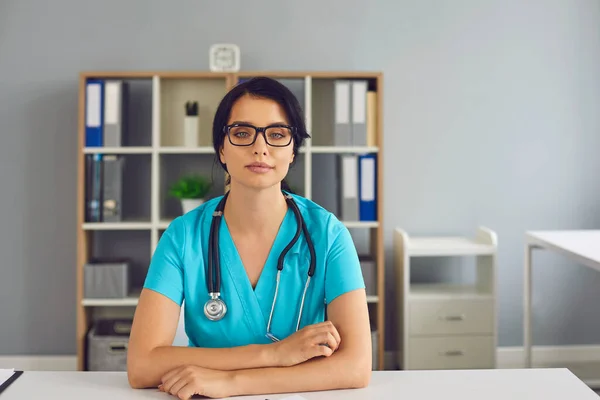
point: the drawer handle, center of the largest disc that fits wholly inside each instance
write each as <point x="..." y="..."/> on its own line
<point x="459" y="317"/>
<point x="451" y="353"/>
<point x="117" y="348"/>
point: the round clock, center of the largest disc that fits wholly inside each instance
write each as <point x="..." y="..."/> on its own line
<point x="224" y="58"/>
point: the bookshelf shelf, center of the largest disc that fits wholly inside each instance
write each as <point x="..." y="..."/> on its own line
<point x="343" y="149"/>
<point x="361" y="224"/>
<point x="125" y="302"/>
<point x="133" y="301"/>
<point x="118" y="150"/>
<point x="157" y="151"/>
<point x="186" y="150"/>
<point x="111" y="226"/>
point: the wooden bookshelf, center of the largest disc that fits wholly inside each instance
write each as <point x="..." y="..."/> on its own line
<point x="158" y="154"/>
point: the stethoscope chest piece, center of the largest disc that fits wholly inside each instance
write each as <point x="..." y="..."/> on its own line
<point x="215" y="308"/>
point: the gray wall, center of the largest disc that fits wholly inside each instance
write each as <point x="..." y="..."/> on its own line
<point x="491" y="117"/>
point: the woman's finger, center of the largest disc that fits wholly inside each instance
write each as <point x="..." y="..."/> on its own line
<point x="178" y="385"/>
<point x="332" y="342"/>
<point x="321" y="350"/>
<point x="187" y="391"/>
<point x="173" y="379"/>
<point x="336" y="335"/>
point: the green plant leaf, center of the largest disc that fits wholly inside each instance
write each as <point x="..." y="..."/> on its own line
<point x="193" y="186"/>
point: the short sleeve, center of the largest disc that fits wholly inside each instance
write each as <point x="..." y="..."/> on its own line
<point x="343" y="273"/>
<point x="165" y="273"/>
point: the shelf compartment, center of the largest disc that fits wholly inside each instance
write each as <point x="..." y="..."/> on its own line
<point x="326" y="114"/>
<point x="174" y="166"/>
<point x="131" y="245"/>
<point x="326" y="187"/>
<point x="174" y="93"/>
<point x="134" y="189"/>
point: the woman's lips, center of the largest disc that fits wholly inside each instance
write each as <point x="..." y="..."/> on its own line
<point x="259" y="168"/>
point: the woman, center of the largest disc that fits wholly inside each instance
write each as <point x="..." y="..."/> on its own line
<point x="316" y="336"/>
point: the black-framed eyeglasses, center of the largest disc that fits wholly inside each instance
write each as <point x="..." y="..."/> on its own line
<point x="246" y="134"/>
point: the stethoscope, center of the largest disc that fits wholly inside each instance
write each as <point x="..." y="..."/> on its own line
<point x="215" y="308"/>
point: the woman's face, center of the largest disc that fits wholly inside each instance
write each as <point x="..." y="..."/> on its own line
<point x="259" y="165"/>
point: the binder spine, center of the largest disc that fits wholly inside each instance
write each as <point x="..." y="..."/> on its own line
<point x="367" y="187"/>
<point x="94" y="116"/>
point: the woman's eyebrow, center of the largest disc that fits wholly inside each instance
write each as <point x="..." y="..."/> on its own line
<point x="250" y="123"/>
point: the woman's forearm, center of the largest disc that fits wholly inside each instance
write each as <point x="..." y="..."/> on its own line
<point x="147" y="370"/>
<point x="339" y="371"/>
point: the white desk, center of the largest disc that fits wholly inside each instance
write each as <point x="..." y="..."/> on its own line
<point x="499" y="384"/>
<point x="583" y="246"/>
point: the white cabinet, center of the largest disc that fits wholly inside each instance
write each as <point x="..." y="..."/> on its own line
<point x="446" y="325"/>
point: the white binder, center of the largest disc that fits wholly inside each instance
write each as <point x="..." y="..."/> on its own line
<point x="342" y="128"/>
<point x="359" y="113"/>
<point x="113" y="113"/>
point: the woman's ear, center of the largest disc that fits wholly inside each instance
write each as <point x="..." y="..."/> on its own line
<point x="222" y="155"/>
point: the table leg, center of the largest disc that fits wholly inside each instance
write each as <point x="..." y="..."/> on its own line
<point x="527" y="336"/>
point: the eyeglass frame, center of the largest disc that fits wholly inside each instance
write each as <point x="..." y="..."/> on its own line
<point x="259" y="131"/>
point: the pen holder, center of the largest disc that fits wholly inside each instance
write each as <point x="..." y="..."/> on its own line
<point x="190" y="131"/>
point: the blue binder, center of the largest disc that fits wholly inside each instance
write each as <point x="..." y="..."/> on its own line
<point x="367" y="187"/>
<point x="94" y="113"/>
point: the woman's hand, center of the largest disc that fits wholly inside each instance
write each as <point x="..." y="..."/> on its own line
<point x="186" y="381"/>
<point x="320" y="339"/>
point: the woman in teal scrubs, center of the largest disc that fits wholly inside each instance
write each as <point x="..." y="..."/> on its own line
<point x="316" y="336"/>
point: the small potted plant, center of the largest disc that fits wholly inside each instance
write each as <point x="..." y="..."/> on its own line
<point x="191" y="190"/>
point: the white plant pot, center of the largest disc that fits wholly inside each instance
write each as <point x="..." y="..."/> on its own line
<point x="190" y="132"/>
<point x="188" y="205"/>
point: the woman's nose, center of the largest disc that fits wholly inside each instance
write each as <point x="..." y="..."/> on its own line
<point x="260" y="145"/>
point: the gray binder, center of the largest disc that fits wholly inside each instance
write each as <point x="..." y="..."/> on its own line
<point x="359" y="112"/>
<point x="348" y="196"/>
<point x="342" y="135"/>
<point x="114" y="112"/>
<point x="112" y="185"/>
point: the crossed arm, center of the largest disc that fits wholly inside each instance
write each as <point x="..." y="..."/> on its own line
<point x="253" y="369"/>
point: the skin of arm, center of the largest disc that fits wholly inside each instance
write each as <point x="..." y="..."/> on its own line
<point x="349" y="367"/>
<point x="151" y="354"/>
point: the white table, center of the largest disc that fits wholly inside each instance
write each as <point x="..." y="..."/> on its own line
<point x="499" y="384"/>
<point x="583" y="246"/>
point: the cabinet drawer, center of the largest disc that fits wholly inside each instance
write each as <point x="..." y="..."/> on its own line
<point x="450" y="317"/>
<point x="454" y="352"/>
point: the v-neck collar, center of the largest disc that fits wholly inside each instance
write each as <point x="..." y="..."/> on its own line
<point x="257" y="301"/>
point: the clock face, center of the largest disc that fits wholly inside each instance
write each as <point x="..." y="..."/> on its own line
<point x="224" y="57"/>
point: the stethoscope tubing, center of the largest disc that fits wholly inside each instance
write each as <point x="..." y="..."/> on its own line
<point x="214" y="264"/>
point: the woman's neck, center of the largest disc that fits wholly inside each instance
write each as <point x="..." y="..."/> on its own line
<point x="259" y="211"/>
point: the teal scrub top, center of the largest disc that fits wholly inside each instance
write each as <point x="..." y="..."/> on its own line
<point x="178" y="270"/>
